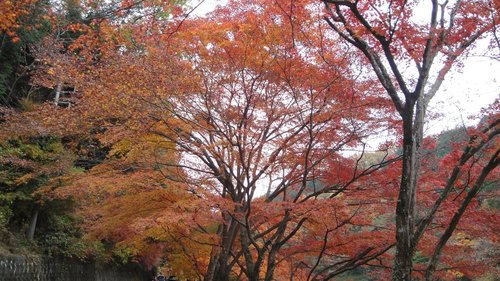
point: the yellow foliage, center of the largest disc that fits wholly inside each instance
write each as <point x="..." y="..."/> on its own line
<point x="25" y="179"/>
<point x="121" y="148"/>
<point x="464" y="240"/>
<point x="26" y="104"/>
<point x="456" y="273"/>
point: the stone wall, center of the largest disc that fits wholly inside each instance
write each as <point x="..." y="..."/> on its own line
<point x="20" y="268"/>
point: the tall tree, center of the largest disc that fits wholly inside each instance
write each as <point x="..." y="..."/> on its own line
<point x="265" y="110"/>
<point x="389" y="35"/>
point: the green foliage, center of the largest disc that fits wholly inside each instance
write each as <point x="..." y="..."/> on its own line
<point x="5" y="215"/>
<point x="493" y="203"/>
<point x="358" y="274"/>
<point x="97" y="250"/>
<point x="123" y="254"/>
<point x="447" y="138"/>
<point x="490" y="202"/>
<point x="419" y="258"/>
<point x="73" y="10"/>
<point x="61" y="235"/>
<point x="25" y="166"/>
<point x="16" y="58"/>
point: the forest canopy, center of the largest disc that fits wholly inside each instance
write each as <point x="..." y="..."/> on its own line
<point x="265" y="140"/>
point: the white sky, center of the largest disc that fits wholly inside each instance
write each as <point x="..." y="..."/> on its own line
<point x="206" y="7"/>
<point x="465" y="92"/>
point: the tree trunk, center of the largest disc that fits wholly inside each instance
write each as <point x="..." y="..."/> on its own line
<point x="271" y="264"/>
<point x="33" y="221"/>
<point x="219" y="268"/>
<point x="418" y="137"/>
<point x="403" y="264"/>
<point x="252" y="268"/>
<point x="58" y="93"/>
<point x="214" y="254"/>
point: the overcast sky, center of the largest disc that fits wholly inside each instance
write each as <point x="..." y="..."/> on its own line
<point x="465" y="92"/>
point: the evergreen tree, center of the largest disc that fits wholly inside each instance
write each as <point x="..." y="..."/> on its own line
<point x="16" y="53"/>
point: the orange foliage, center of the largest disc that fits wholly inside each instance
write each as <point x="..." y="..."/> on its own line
<point x="256" y="94"/>
<point x="12" y="11"/>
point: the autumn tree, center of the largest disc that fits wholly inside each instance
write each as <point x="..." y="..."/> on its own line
<point x="411" y="58"/>
<point x="131" y="213"/>
<point x="265" y="110"/>
<point x="81" y="43"/>
<point x="464" y="254"/>
<point x="23" y="25"/>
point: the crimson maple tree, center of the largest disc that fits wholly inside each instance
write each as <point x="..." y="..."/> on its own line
<point x="388" y="34"/>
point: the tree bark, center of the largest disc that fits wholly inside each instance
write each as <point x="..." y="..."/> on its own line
<point x="33" y="221"/>
<point x="219" y="268"/>
<point x="403" y="264"/>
